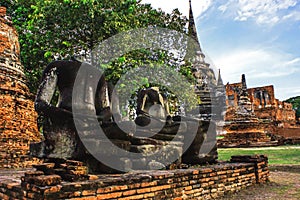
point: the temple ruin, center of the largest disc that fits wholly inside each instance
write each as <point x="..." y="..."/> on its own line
<point x="18" y="120"/>
<point x="58" y="178"/>
<point x="255" y="117"/>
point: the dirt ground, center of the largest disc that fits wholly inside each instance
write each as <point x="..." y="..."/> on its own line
<point x="284" y="184"/>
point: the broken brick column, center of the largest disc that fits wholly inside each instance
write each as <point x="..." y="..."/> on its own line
<point x="262" y="172"/>
<point x="18" y="125"/>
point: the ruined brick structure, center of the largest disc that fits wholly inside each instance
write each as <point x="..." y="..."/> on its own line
<point x="274" y="120"/>
<point x="208" y="182"/>
<point x="17" y="117"/>
<point x="264" y="104"/>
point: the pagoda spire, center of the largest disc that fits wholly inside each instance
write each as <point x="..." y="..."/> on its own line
<point x="220" y="81"/>
<point x="192" y="27"/>
<point x="244" y="84"/>
<point x="192" y="32"/>
<point x="244" y="100"/>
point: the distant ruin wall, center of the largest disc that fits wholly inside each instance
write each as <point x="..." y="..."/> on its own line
<point x="264" y="104"/>
<point x="18" y="124"/>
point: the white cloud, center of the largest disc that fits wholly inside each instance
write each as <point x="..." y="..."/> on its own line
<point x="262" y="11"/>
<point x="222" y="8"/>
<point x="201" y="6"/>
<point x="294" y="61"/>
<point x="295" y="15"/>
<point x="257" y="64"/>
<point x="261" y="67"/>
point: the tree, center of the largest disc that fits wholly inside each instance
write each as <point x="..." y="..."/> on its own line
<point x="58" y="29"/>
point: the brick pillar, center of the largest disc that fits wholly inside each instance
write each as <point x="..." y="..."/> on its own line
<point x="260" y="164"/>
<point x="18" y="124"/>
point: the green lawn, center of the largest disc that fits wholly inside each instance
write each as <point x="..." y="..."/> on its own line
<point x="276" y="155"/>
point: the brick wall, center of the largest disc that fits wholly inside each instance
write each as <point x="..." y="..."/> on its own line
<point x="18" y="125"/>
<point x="232" y="91"/>
<point x="197" y="183"/>
<point x="267" y="96"/>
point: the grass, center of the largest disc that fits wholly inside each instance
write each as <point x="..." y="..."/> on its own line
<point x="282" y="185"/>
<point x="281" y="155"/>
<point x="285" y="173"/>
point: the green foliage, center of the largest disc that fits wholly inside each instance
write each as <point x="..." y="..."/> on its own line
<point x="59" y="29"/>
<point x="295" y="101"/>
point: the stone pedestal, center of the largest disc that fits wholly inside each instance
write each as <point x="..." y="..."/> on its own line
<point x="203" y="149"/>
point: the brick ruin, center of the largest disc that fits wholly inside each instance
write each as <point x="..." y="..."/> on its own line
<point x="69" y="180"/>
<point x="273" y="122"/>
<point x="18" y="120"/>
<point x="267" y="107"/>
<point x="264" y="104"/>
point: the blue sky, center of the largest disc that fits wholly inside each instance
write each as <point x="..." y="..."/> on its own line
<point x="260" y="38"/>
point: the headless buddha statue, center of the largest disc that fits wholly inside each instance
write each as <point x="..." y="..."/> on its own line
<point x="61" y="140"/>
<point x="151" y="103"/>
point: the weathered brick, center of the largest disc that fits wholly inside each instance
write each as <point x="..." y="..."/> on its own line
<point x="143" y="190"/>
<point x="204" y="185"/>
<point x="118" y="187"/>
<point x="221" y="172"/>
<point x="148" y="195"/>
<point x="88" y="192"/>
<point x="162" y="187"/>
<point x="103" y="190"/>
<point x="113" y="195"/>
<point x="47" y="180"/>
<point x="136" y="185"/>
<point x="205" y="170"/>
<point x="235" y="174"/>
<point x="141" y="196"/>
<point x="148" y="184"/>
<point x="52" y="189"/>
<point x="129" y="192"/>
<point x="85" y="198"/>
<point x="188" y="188"/>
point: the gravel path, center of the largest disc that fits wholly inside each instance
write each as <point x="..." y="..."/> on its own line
<point x="284" y="184"/>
